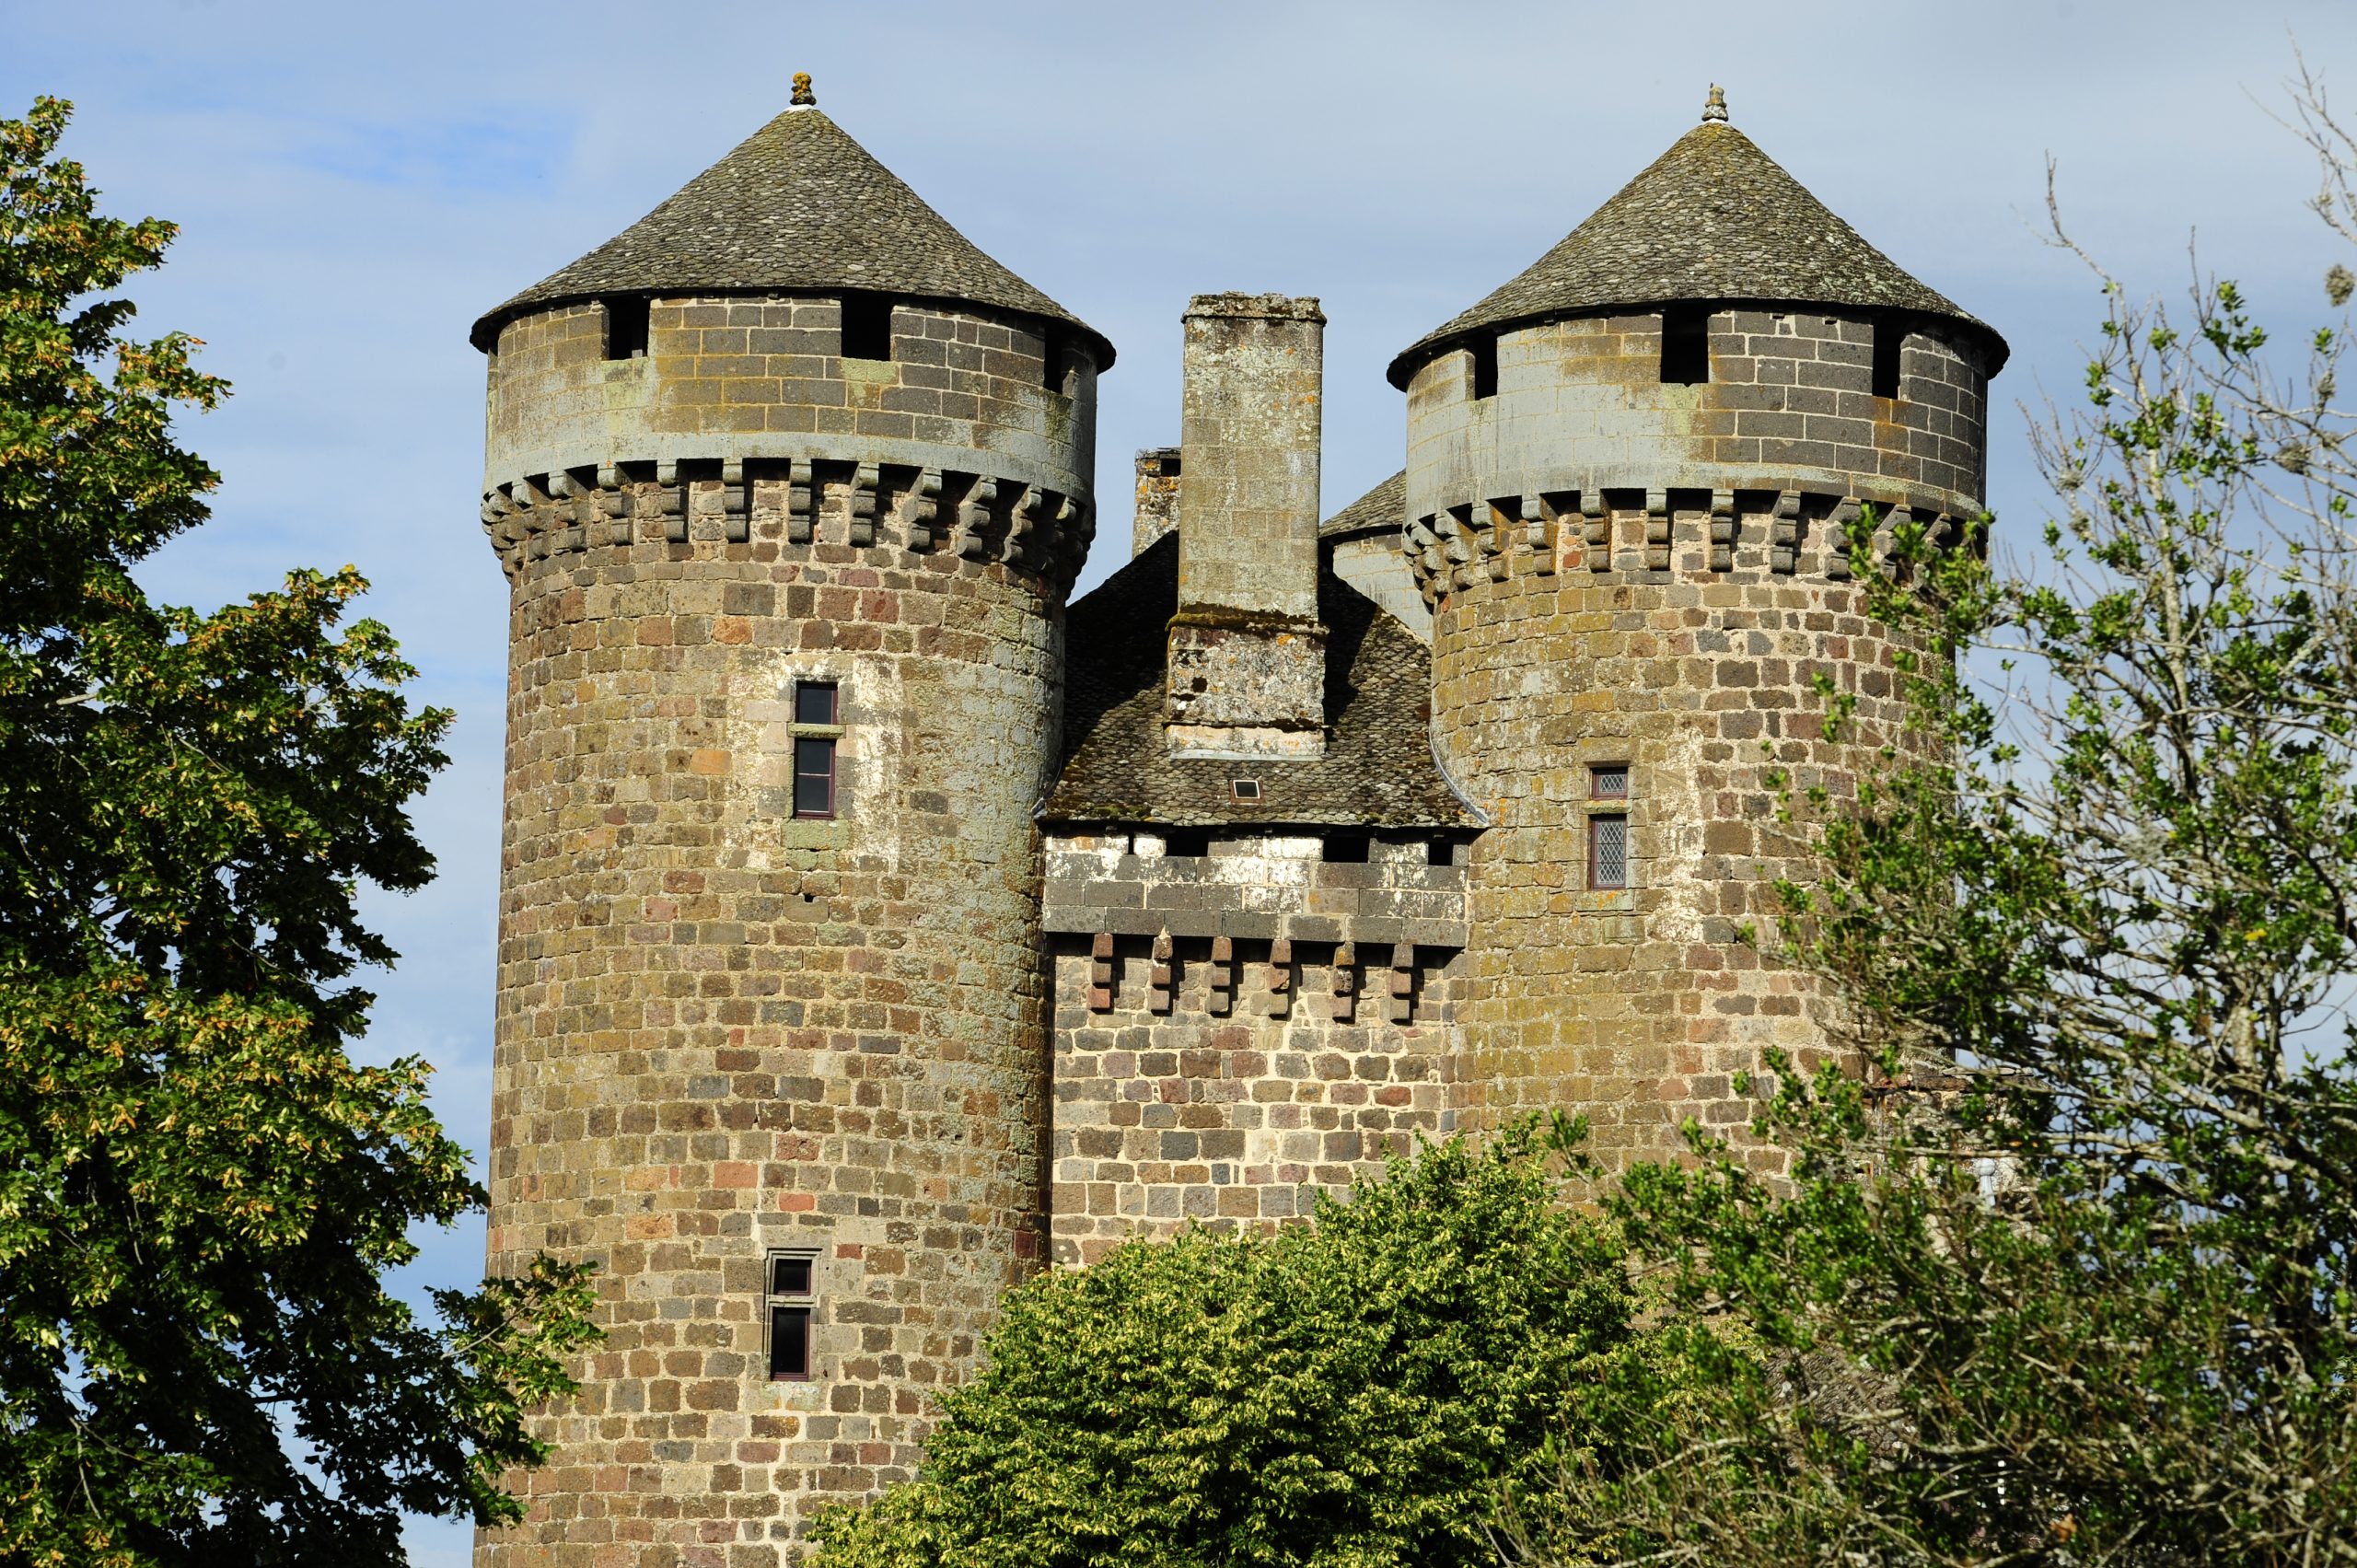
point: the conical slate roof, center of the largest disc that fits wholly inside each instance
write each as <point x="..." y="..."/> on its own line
<point x="799" y="207"/>
<point x="1713" y="219"/>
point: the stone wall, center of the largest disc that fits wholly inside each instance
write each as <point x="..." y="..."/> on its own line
<point x="1632" y="574"/>
<point x="1247" y="654"/>
<point x="732" y="380"/>
<point x="1580" y="405"/>
<point x="723" y="1030"/>
<point x="1252" y="407"/>
<point x="1159" y="478"/>
<point x="1239" y="1030"/>
<point x="1641" y="1005"/>
<point x="1188" y="1100"/>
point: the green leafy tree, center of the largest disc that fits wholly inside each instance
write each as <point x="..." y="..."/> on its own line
<point x="2067" y="1277"/>
<point x="200" y="1192"/>
<point x="1350" y="1394"/>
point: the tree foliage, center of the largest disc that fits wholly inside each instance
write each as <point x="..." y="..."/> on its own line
<point x="2066" y="1279"/>
<point x="200" y="1192"/>
<point x="1348" y="1395"/>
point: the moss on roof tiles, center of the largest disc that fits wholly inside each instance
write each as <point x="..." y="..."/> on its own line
<point x="798" y="207"/>
<point x="1713" y="219"/>
<point x="1377" y="770"/>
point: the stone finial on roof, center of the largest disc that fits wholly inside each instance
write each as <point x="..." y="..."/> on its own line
<point x="804" y="98"/>
<point x="1716" y="109"/>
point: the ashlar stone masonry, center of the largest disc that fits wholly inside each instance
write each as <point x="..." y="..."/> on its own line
<point x="876" y="928"/>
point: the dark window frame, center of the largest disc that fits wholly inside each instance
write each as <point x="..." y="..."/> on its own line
<point x="790" y="1314"/>
<point x="821" y="741"/>
<point x="1608" y="784"/>
<point x="1601" y="827"/>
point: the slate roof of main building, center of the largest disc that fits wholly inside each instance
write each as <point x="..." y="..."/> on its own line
<point x="1713" y="219"/>
<point x="798" y="207"/>
<point x="1377" y="771"/>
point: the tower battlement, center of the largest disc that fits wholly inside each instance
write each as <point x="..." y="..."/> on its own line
<point x="1634" y="535"/>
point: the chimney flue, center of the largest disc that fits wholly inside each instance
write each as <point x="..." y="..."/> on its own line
<point x="1157" y="513"/>
<point x="1247" y="653"/>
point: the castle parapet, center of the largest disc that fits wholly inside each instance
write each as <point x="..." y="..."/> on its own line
<point x="1640" y="535"/>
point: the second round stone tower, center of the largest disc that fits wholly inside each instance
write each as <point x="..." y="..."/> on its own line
<point x="789" y="481"/>
<point x="1628" y="473"/>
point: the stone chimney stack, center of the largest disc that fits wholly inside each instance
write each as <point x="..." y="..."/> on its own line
<point x="1158" y="511"/>
<point x="1247" y="653"/>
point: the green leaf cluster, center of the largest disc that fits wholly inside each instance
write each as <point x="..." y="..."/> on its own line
<point x="2064" y="1275"/>
<point x="1350" y="1394"/>
<point x="200" y="1192"/>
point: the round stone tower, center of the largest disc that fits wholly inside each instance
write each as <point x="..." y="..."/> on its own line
<point x="1628" y="469"/>
<point x="789" y="481"/>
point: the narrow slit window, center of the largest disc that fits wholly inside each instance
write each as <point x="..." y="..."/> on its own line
<point x="626" y="326"/>
<point x="791" y="1297"/>
<point x="1053" y="363"/>
<point x="1608" y="851"/>
<point x="867" y="325"/>
<point x="1889" y="338"/>
<point x="817" y="729"/>
<point x="1485" y="366"/>
<point x="1684" y="346"/>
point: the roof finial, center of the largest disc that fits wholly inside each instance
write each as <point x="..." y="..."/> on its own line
<point x="804" y="98"/>
<point x="1715" y="110"/>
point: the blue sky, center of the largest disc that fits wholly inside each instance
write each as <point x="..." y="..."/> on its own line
<point x="355" y="184"/>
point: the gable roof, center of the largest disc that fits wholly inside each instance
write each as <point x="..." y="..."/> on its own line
<point x="798" y="206"/>
<point x="1377" y="770"/>
<point x="1713" y="219"/>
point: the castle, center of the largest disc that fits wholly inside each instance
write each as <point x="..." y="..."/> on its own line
<point x="875" y="929"/>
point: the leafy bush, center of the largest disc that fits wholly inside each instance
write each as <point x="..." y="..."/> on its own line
<point x="1351" y="1394"/>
